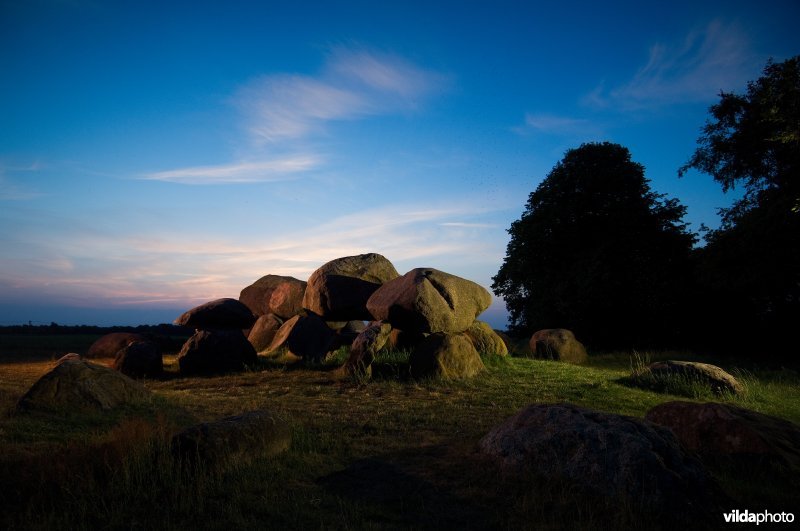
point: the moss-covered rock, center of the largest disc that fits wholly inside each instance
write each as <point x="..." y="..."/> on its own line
<point x="445" y="356"/>
<point x="77" y="385"/>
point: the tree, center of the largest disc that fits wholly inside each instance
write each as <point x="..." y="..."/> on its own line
<point x="751" y="263"/>
<point x="598" y="252"/>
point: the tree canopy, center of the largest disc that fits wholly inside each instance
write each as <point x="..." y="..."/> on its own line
<point x="598" y="252"/>
<point x="750" y="266"/>
<point x="754" y="140"/>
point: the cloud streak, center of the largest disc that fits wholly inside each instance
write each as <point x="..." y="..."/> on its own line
<point x="354" y="83"/>
<point x="696" y="69"/>
<point x="554" y="125"/>
<point x="241" y="172"/>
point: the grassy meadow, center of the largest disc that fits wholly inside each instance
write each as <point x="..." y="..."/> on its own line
<point x="391" y="453"/>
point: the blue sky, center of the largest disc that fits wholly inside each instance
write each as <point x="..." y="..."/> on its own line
<point x="156" y="155"/>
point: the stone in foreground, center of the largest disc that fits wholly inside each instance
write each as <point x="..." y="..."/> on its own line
<point x="237" y="439"/>
<point x="618" y="459"/>
<point x="77" y="385"/>
<point x="713" y="430"/>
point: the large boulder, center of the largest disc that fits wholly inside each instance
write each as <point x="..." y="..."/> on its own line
<point x="263" y="331"/>
<point x="257" y="295"/>
<point x="215" y="352"/>
<point x="557" y="344"/>
<point x="232" y="440"/>
<point x="445" y="356"/>
<point x="716" y="430"/>
<point x="365" y="347"/>
<point x="485" y="340"/>
<point x="426" y="300"/>
<point x="338" y="291"/>
<point x="108" y="345"/>
<point x="622" y="460"/>
<point x="671" y="375"/>
<point x="286" y="300"/>
<point x="220" y="314"/>
<point x="140" y="359"/>
<point x="305" y="336"/>
<point x="77" y="385"/>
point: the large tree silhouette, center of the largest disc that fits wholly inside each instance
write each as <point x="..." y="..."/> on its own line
<point x="599" y="252"/>
<point x="750" y="266"/>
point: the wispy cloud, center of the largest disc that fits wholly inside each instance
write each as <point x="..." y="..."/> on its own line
<point x="353" y="84"/>
<point x="464" y="225"/>
<point x="715" y="58"/>
<point x="240" y="172"/>
<point x="551" y="124"/>
<point x="285" y="112"/>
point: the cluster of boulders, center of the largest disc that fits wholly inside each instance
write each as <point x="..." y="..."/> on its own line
<point x="430" y="312"/>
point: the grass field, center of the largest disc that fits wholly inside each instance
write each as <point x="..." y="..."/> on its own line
<point x="391" y="453"/>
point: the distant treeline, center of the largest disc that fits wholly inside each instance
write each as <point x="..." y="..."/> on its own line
<point x="57" y="329"/>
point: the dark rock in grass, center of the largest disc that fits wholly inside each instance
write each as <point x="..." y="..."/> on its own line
<point x="338" y="291"/>
<point x="215" y="352"/>
<point x="667" y="374"/>
<point x="427" y="300"/>
<point x="714" y="430"/>
<point x="286" y="300"/>
<point x="76" y="385"/>
<point x="557" y="344"/>
<point x="220" y="314"/>
<point x="485" y="340"/>
<point x="140" y="359"/>
<point x="108" y="345"/>
<point x="306" y="336"/>
<point x="257" y="295"/>
<point x="365" y="347"/>
<point x="232" y="440"/>
<point x="445" y="356"/>
<point x="263" y="332"/>
<point x="622" y="461"/>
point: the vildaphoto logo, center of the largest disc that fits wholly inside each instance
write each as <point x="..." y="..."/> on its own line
<point x="764" y="517"/>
